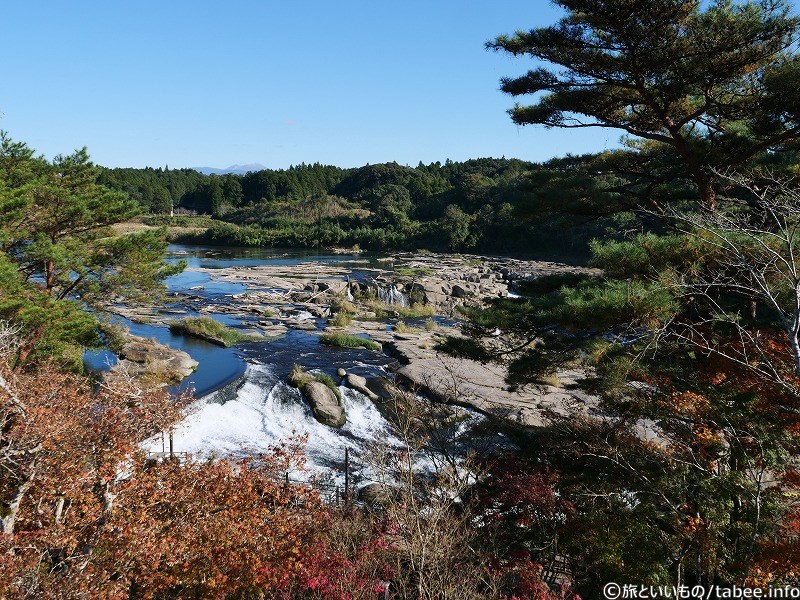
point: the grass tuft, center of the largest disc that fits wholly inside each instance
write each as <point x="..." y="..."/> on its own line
<point x="343" y="340"/>
<point x="401" y="327"/>
<point x="383" y="310"/>
<point x="413" y="272"/>
<point x="341" y="319"/>
<point x="206" y="328"/>
<point x="299" y="379"/>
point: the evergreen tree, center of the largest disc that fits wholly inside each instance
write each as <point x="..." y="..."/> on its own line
<point x="716" y="86"/>
<point x="55" y="230"/>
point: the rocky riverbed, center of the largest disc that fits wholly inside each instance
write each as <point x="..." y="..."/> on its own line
<point x="406" y="302"/>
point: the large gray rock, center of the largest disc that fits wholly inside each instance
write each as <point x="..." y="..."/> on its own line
<point x="304" y="325"/>
<point x="359" y="384"/>
<point x="324" y="404"/>
<point x="464" y="290"/>
<point x="152" y="364"/>
<point x="431" y="290"/>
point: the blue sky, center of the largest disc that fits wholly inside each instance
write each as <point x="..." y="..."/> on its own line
<point x="201" y="83"/>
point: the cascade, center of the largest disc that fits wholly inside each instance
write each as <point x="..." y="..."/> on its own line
<point x="390" y="294"/>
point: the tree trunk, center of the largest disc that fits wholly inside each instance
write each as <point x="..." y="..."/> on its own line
<point x="708" y="197"/>
<point x="699" y="172"/>
<point x="50" y="271"/>
<point x="795" y="343"/>
<point x="9" y="517"/>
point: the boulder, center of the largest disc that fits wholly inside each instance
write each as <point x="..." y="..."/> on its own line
<point x="464" y="290"/>
<point x="305" y="325"/>
<point x="431" y="290"/>
<point x="341" y="372"/>
<point x="359" y="384"/>
<point x="336" y="286"/>
<point x="324" y="404"/>
<point x="151" y="363"/>
<point x="272" y="330"/>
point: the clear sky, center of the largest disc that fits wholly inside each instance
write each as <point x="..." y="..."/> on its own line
<point x="202" y="83"/>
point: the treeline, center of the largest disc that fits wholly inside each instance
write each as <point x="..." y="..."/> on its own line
<point x="476" y="205"/>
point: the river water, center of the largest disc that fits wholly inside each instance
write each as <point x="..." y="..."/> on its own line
<point x="245" y="406"/>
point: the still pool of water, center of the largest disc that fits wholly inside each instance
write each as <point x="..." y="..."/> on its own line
<point x="221" y="257"/>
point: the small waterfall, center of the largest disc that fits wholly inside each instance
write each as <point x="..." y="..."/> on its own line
<point x="258" y="412"/>
<point x="390" y="294"/>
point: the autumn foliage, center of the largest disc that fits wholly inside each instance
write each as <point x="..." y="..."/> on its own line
<point x="84" y="514"/>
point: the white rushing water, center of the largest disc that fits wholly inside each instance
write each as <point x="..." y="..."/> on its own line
<point x="266" y="411"/>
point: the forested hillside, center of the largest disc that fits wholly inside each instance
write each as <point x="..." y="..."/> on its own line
<point x="481" y="205"/>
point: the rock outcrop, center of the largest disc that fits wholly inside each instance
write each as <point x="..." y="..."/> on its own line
<point x="152" y="364"/>
<point x="381" y="388"/>
<point x="359" y="384"/>
<point x="324" y="404"/>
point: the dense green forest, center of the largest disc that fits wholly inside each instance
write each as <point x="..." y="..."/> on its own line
<point x="480" y="205"/>
<point x="499" y="206"/>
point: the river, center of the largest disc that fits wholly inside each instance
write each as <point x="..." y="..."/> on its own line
<point x="245" y="407"/>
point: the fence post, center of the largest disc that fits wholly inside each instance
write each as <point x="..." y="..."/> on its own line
<point x="171" y="453"/>
<point x="346" y="474"/>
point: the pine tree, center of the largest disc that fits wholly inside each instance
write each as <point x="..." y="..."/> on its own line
<point x="715" y="86"/>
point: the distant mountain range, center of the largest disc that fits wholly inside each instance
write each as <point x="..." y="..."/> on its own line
<point x="236" y="169"/>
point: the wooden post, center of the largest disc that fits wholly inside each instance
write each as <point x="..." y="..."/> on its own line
<point x="171" y="453"/>
<point x="346" y="474"/>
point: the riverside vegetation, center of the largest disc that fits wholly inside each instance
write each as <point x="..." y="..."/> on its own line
<point x="684" y="471"/>
<point x="212" y="331"/>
